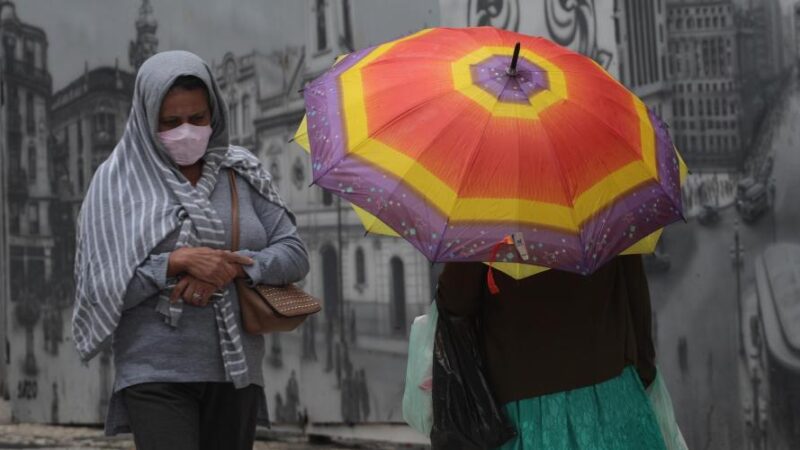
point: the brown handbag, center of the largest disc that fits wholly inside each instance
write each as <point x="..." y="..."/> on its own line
<point x="266" y="309"/>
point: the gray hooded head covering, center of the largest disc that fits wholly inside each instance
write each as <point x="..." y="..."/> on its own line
<point x="138" y="197"/>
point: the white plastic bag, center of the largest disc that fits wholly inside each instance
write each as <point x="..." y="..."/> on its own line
<point x="661" y="403"/>
<point x="417" y="399"/>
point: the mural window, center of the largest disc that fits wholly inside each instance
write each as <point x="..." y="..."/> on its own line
<point x="30" y="113"/>
<point x="80" y="134"/>
<point x="13" y="98"/>
<point x="35" y="273"/>
<point x="14" y="213"/>
<point x="105" y="126"/>
<point x="246" y="120"/>
<point x="298" y="174"/>
<point x="330" y="282"/>
<point x="79" y="169"/>
<point x="233" y="118"/>
<point x="17" y="271"/>
<point x="33" y="219"/>
<point x="31" y="163"/>
<point x="348" y="27"/>
<point x="275" y="171"/>
<point x="398" y="296"/>
<point x="28" y="55"/>
<point x="322" y="26"/>
<point x="361" y="270"/>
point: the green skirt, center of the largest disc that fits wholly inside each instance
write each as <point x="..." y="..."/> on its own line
<point x="613" y="415"/>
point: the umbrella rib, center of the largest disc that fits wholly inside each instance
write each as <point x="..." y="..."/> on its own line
<point x="467" y="169"/>
<point x="564" y="185"/>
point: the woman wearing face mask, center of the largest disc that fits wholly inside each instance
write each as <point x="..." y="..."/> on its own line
<point x="153" y="269"/>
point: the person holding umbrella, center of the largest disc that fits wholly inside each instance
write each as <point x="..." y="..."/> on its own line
<point x="508" y="156"/>
<point x="569" y="356"/>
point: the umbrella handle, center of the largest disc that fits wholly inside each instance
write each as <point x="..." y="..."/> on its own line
<point x="512" y="70"/>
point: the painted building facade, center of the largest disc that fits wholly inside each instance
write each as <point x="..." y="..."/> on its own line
<point x="53" y="144"/>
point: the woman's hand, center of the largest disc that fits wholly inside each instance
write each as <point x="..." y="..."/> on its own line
<point x="217" y="267"/>
<point x="193" y="291"/>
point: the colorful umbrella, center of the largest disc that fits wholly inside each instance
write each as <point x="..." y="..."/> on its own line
<point x="474" y="153"/>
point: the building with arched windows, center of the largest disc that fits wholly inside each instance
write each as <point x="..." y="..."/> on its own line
<point x="27" y="266"/>
<point x="371" y="286"/>
<point x="53" y="142"/>
<point x="249" y="82"/>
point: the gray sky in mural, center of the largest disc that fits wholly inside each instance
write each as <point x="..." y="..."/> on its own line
<point x="206" y="27"/>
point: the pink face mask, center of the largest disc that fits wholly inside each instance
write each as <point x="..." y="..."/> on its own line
<point x="187" y="143"/>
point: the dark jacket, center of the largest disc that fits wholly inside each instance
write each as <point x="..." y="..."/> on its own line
<point x="556" y="331"/>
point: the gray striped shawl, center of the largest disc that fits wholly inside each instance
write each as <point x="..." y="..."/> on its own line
<point x="138" y="197"/>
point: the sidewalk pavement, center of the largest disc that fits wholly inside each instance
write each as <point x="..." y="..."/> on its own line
<point x="51" y="437"/>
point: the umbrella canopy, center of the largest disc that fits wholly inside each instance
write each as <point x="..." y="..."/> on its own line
<point x="454" y="143"/>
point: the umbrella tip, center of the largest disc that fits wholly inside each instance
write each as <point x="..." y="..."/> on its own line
<point x="290" y="141"/>
<point x="512" y="70"/>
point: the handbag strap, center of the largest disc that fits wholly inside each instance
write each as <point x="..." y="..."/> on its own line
<point x="234" y="211"/>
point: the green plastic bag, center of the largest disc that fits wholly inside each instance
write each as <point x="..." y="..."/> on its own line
<point x="661" y="403"/>
<point x="417" y="400"/>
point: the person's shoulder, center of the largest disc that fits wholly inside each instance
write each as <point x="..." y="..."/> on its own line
<point x="238" y="154"/>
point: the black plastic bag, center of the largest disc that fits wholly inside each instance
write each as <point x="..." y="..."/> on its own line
<point x="465" y="413"/>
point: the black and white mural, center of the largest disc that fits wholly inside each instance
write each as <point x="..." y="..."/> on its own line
<point x="725" y="285"/>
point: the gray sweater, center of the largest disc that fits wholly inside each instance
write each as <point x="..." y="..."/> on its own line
<point x="148" y="350"/>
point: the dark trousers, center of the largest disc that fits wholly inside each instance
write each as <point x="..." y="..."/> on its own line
<point x="192" y="416"/>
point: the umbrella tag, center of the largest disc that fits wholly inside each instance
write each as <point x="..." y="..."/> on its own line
<point x="519" y="243"/>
